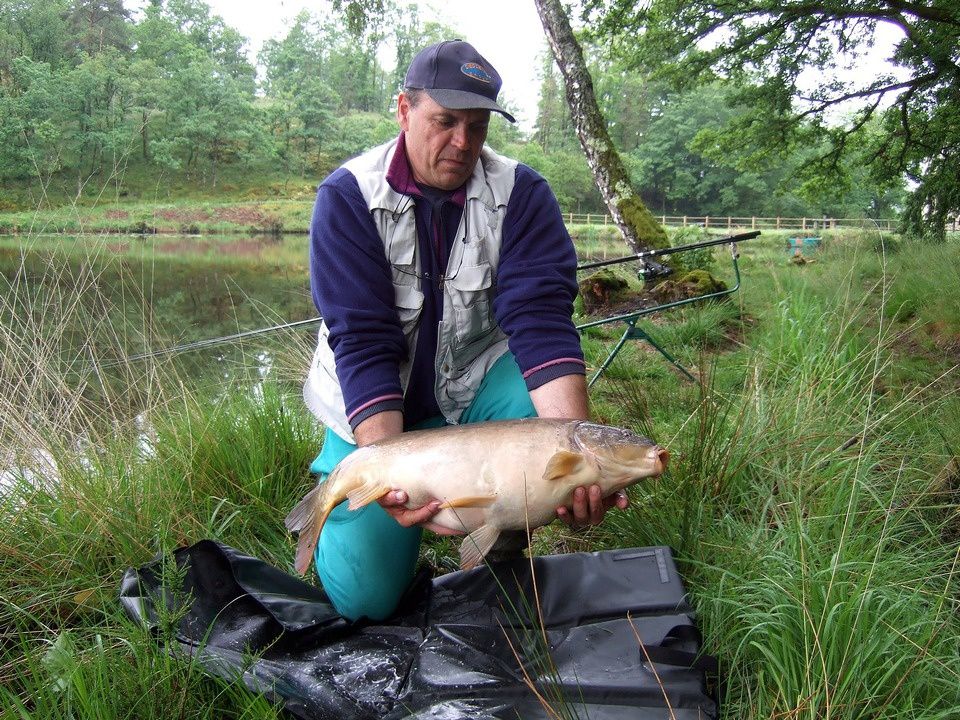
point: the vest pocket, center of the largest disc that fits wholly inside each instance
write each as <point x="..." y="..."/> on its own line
<point x="408" y="302"/>
<point x="399" y="235"/>
<point x="470" y="291"/>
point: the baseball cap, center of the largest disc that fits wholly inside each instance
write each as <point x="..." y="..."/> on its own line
<point x="457" y="77"/>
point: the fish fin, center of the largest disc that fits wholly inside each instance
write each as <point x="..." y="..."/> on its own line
<point x="476" y="545"/>
<point x="307" y="519"/>
<point x="563" y="464"/>
<point x="479" y="501"/>
<point x="366" y="493"/>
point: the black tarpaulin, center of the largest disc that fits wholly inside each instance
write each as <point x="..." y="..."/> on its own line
<point x="619" y="632"/>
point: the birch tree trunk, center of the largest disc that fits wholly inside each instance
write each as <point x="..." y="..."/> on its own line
<point x="639" y="228"/>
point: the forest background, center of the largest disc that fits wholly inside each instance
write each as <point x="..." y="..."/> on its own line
<point x="813" y="495"/>
<point x="103" y="104"/>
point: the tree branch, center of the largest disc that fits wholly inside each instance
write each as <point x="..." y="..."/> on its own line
<point x="866" y="92"/>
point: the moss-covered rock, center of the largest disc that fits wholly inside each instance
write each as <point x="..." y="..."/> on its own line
<point x="603" y="289"/>
<point x="692" y="284"/>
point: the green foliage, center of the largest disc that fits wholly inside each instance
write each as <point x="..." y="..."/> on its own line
<point x="905" y="124"/>
<point x="77" y="653"/>
<point x="567" y="172"/>
<point x="803" y="498"/>
<point x="96" y="103"/>
<point x="701" y="259"/>
<point x="87" y="93"/>
<point x="683" y="159"/>
<point x="360" y="131"/>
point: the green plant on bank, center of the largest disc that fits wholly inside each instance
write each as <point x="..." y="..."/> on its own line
<point x="105" y="465"/>
<point x="815" y="536"/>
<point x="811" y="500"/>
<point x="269" y="216"/>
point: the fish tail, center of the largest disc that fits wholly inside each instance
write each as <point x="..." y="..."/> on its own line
<point x="308" y="518"/>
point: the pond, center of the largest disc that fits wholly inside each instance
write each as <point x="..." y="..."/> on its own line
<point x="98" y="316"/>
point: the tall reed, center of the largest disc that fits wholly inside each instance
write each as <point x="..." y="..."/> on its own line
<point x="804" y="506"/>
<point x="105" y="464"/>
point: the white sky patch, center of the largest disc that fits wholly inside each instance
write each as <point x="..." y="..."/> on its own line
<point x="870" y="65"/>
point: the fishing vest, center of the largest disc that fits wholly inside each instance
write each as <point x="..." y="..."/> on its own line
<point x="469" y="340"/>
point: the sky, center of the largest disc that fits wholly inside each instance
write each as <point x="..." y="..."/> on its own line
<point x="508" y="33"/>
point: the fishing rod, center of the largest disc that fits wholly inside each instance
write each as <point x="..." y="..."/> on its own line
<point x="646" y="254"/>
<point x="211" y="342"/>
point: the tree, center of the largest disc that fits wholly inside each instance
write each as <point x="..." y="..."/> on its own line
<point x="768" y="46"/>
<point x="411" y="35"/>
<point x="301" y="104"/>
<point x="97" y="113"/>
<point x="31" y="131"/>
<point x="35" y="29"/>
<point x="206" y="115"/>
<point x="640" y="230"/>
<point x="352" y="70"/>
<point x="95" y="25"/>
<point x="554" y="129"/>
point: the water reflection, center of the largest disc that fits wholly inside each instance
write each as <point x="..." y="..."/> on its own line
<point x="255" y="247"/>
<point x="74" y="308"/>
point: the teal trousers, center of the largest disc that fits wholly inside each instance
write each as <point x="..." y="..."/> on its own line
<point x="364" y="558"/>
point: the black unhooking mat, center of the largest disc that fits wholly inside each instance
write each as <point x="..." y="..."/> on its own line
<point x="622" y="643"/>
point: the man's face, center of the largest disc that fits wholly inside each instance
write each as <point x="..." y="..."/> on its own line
<point x="443" y="145"/>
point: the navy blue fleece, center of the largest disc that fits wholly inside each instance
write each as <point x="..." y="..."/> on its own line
<point x="352" y="288"/>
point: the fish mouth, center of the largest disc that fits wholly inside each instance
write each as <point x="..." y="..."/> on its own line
<point x="649" y="464"/>
<point x="662" y="456"/>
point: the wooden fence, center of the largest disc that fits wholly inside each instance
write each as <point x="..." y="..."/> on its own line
<point x="750" y="223"/>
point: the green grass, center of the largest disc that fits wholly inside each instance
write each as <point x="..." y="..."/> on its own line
<point x="815" y="537"/>
<point x="246" y="200"/>
<point x="811" y="500"/>
<point x="267" y="217"/>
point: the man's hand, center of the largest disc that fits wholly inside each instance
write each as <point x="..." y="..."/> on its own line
<point x="380" y="427"/>
<point x="395" y="501"/>
<point x="589" y="507"/>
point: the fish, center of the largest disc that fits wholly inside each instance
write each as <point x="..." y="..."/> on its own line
<point x="490" y="476"/>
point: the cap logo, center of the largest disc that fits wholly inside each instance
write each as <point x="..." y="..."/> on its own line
<point x="476" y="72"/>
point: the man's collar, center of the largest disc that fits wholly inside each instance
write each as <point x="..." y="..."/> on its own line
<point x="400" y="175"/>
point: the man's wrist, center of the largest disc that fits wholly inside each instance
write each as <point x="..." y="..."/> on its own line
<point x="374" y="407"/>
<point x="564" y="397"/>
<point x="378" y="427"/>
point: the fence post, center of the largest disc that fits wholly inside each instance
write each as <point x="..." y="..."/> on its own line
<point x="706" y="221"/>
<point x="729" y="222"/>
<point x="803" y="224"/>
<point x="778" y="222"/>
<point x="605" y="218"/>
<point x="753" y="222"/>
<point x="684" y="220"/>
